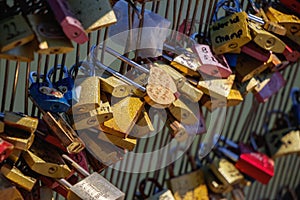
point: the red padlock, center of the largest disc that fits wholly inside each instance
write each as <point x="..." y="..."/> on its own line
<point x="256" y="52"/>
<point x="5" y="149"/>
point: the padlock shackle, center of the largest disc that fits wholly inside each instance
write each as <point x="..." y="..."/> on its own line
<point x="229" y="142"/>
<point x="270" y="113"/>
<point x="222" y="3"/>
<point x="234" y="157"/>
<point x="81" y="170"/>
<point x="34" y="73"/>
<point x="123" y="58"/>
<point x="64" y="183"/>
<point x="51" y="71"/>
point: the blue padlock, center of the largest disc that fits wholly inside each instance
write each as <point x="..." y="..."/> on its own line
<point x="65" y="85"/>
<point x="46" y="96"/>
<point x="295" y="95"/>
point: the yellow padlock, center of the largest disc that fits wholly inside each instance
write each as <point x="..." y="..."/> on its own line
<point x="271" y="26"/>
<point x="182" y="112"/>
<point x="234" y="98"/>
<point x="114" y="86"/>
<point x="20" y="121"/>
<point x="24" y="53"/>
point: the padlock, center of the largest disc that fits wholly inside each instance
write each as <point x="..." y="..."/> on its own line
<point x="50" y="38"/>
<point x="125" y="114"/>
<point x="8" y="190"/>
<point x="45" y="96"/>
<point x="142" y="127"/>
<point x="266" y="40"/>
<point x="290" y="22"/>
<point x="6" y="149"/>
<point x="183" y="86"/>
<point x="13" y="174"/>
<point x="67" y="20"/>
<point x="94" y="186"/>
<point x="44" y="159"/>
<point x="64" y="132"/>
<point x="268" y="85"/>
<point x="16" y="32"/>
<point x="209" y="64"/>
<point x="294" y="5"/>
<point x="188" y="186"/>
<point x="88" y="92"/>
<point x="256" y="52"/>
<point x="160" y="192"/>
<point x="249" y="67"/>
<point x="254" y="164"/>
<point x="24" y="53"/>
<point x="291" y="52"/>
<point x="246" y="87"/>
<point x="65" y="85"/>
<point x="235" y="97"/>
<point x="282" y="141"/>
<point x="20" y="121"/>
<point x="93" y="15"/>
<point x="114" y="86"/>
<point x="182" y="112"/>
<point x="217" y="88"/>
<point x="277" y="63"/>
<point x="230" y="32"/>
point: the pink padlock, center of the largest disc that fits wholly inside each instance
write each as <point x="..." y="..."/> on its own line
<point x="209" y="63"/>
<point x="70" y="25"/>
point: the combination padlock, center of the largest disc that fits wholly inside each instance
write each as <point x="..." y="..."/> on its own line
<point x="45" y="96"/>
<point x="93" y="186"/>
<point x="65" y="85"/>
<point x="67" y="20"/>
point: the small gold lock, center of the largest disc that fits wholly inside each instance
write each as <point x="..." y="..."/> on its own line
<point x="24" y="53"/>
<point x="50" y="38"/>
<point x="114" y="86"/>
<point x="93" y="15"/>
<point x="217" y="88"/>
<point x="127" y="143"/>
<point x="15" y="32"/>
<point x="20" y="121"/>
<point x="16" y="176"/>
<point x="88" y="91"/>
<point x="125" y="115"/>
<point x="142" y="127"/>
<point x="180" y="110"/>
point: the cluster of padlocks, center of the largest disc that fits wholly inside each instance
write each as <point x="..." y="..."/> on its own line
<point x="93" y="114"/>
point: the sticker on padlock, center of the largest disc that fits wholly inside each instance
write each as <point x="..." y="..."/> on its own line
<point x="160" y="193"/>
<point x="6" y="149"/>
<point x="209" y="64"/>
<point x="24" y="53"/>
<point x="15" y="32"/>
<point x="282" y="141"/>
<point x="93" y="16"/>
<point x="142" y="127"/>
<point x="183" y="86"/>
<point x="44" y="159"/>
<point x="266" y="40"/>
<point x="45" y="96"/>
<point x="93" y="186"/>
<point x="125" y="114"/>
<point x="8" y="190"/>
<point x="64" y="132"/>
<point x="20" y="121"/>
<point x="50" y="38"/>
<point x="268" y="85"/>
<point x="230" y="32"/>
<point x="13" y="174"/>
<point x="65" y="85"/>
<point x="67" y="20"/>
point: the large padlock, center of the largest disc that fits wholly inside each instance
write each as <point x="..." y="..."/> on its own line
<point x="13" y="174"/>
<point x="282" y="141"/>
<point x="45" y="96"/>
<point x="209" y="64"/>
<point x="64" y="132"/>
<point x="290" y="22"/>
<point x="44" y="159"/>
<point x="67" y="20"/>
<point x="24" y="53"/>
<point x="93" y="186"/>
<point x="15" y="32"/>
<point x="231" y="32"/>
<point x="8" y="190"/>
<point x="50" y="38"/>
<point x="268" y="85"/>
<point x="65" y="85"/>
<point x="160" y="192"/>
<point x="93" y="15"/>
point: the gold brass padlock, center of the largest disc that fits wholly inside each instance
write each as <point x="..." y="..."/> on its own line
<point x="114" y="86"/>
<point x="24" y="53"/>
<point x="290" y="22"/>
<point x="44" y="159"/>
<point x="183" y="86"/>
<point x="88" y="95"/>
<point x="127" y="143"/>
<point x="93" y="15"/>
<point x="180" y="110"/>
<point x="142" y="127"/>
<point x="13" y="174"/>
<point x="20" y="121"/>
<point x="217" y="88"/>
<point x="50" y="38"/>
<point x="234" y="98"/>
<point x="64" y="132"/>
<point x="266" y="40"/>
<point x="8" y="190"/>
<point x="125" y="115"/>
<point x="15" y="32"/>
